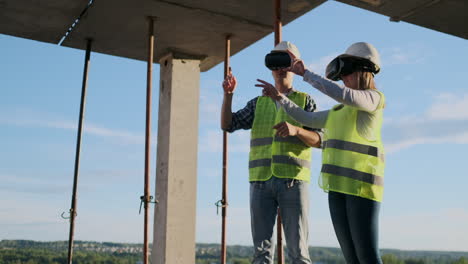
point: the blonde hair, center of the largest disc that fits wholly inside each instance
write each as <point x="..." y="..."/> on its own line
<point x="365" y="80"/>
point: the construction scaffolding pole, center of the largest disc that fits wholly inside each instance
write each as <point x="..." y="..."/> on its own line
<point x="224" y="201"/>
<point x="278" y="27"/>
<point x="278" y="24"/>
<point x="146" y="198"/>
<point x="73" y="211"/>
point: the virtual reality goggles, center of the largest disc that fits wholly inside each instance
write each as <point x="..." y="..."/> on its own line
<point x="277" y="60"/>
<point x="346" y="65"/>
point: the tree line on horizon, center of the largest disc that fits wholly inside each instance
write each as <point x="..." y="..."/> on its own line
<point x="33" y="252"/>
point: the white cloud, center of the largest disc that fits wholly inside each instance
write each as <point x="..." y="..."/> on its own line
<point x="461" y="138"/>
<point x="444" y="122"/>
<point x="211" y="97"/>
<point x="31" y="118"/>
<point x="412" y="53"/>
<point x="436" y="230"/>
<point x="32" y="186"/>
<point x="399" y="57"/>
<point x="126" y="136"/>
<point x="449" y="107"/>
<point x="212" y="141"/>
<point x="319" y="66"/>
<point x="43" y="186"/>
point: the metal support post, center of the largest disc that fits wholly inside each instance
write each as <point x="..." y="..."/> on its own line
<point x="278" y="28"/>
<point x="224" y="200"/>
<point x="146" y="199"/>
<point x="73" y="211"/>
<point x="278" y="24"/>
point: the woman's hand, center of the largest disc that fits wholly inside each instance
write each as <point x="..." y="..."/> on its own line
<point x="285" y="129"/>
<point x="269" y="90"/>
<point x="230" y="83"/>
<point x="297" y="65"/>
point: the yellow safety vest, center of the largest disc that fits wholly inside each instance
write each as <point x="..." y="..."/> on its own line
<point x="352" y="164"/>
<point x="270" y="155"/>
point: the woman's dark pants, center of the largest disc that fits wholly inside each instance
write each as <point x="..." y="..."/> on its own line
<point x="355" y="220"/>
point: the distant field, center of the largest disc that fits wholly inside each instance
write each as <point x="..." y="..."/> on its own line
<point x="90" y="252"/>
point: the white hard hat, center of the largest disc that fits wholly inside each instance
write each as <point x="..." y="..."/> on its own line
<point x="364" y="50"/>
<point x="287" y="46"/>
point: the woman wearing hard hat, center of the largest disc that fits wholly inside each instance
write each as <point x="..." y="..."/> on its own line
<point x="353" y="156"/>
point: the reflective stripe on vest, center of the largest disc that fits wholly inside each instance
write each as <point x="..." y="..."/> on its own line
<point x="353" y="174"/>
<point x="279" y="159"/>
<point x="268" y="140"/>
<point x="290" y="139"/>
<point x="355" y="147"/>
<point x="259" y="163"/>
<point x="261" y="141"/>
<point x="291" y="161"/>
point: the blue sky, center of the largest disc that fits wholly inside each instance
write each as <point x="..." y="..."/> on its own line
<point x="425" y="134"/>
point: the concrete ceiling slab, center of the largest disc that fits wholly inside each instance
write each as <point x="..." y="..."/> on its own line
<point x="189" y="28"/>
<point x="447" y="16"/>
<point x="39" y="20"/>
<point x="195" y="28"/>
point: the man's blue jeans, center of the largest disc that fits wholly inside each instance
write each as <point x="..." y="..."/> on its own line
<point x="292" y="197"/>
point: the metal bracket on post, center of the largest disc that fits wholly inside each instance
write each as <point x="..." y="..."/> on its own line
<point x="70" y="212"/>
<point x="146" y="199"/>
<point x="220" y="204"/>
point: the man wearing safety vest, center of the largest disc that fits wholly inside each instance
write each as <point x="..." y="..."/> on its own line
<point x="279" y="164"/>
<point x="353" y="155"/>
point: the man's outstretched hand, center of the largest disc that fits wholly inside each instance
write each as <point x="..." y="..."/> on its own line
<point x="268" y="89"/>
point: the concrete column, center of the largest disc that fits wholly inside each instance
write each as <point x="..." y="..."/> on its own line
<point x="176" y="171"/>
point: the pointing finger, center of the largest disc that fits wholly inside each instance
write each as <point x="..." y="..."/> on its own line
<point x="262" y="81"/>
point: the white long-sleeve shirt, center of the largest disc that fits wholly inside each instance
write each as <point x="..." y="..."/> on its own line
<point x="366" y="101"/>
